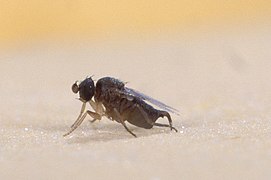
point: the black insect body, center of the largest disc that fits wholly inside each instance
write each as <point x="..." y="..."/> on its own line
<point x="119" y="103"/>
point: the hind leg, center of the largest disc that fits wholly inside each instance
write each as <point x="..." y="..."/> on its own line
<point x="161" y="114"/>
<point x="165" y="125"/>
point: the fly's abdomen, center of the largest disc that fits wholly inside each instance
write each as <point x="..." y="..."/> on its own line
<point x="141" y="114"/>
<point x="136" y="118"/>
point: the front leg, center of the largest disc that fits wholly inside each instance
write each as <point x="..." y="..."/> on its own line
<point x="97" y="107"/>
<point x="81" y="113"/>
<point x="93" y="104"/>
<point x="78" y="122"/>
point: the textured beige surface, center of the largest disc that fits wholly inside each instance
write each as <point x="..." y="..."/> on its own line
<point x="219" y="81"/>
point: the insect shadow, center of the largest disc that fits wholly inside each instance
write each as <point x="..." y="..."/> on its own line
<point x="109" y="132"/>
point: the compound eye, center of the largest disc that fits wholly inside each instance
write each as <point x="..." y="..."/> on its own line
<point x="75" y="88"/>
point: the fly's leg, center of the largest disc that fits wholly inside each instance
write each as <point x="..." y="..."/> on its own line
<point x="95" y="116"/>
<point x="165" y="125"/>
<point x="76" y="124"/>
<point x="79" y="121"/>
<point x="122" y="122"/>
<point x="163" y="113"/>
<point x="92" y="121"/>
<point x="81" y="113"/>
<point x="97" y="106"/>
<point x="93" y="105"/>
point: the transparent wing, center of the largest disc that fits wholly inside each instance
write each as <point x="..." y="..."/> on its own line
<point x="151" y="100"/>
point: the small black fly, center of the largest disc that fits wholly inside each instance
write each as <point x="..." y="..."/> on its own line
<point x="119" y="103"/>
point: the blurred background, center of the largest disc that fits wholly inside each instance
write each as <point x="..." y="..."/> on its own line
<point x="28" y="21"/>
<point x="210" y="59"/>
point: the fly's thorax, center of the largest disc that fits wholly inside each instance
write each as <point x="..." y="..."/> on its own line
<point x="105" y="86"/>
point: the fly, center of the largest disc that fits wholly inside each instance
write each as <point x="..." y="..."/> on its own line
<point x="111" y="98"/>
